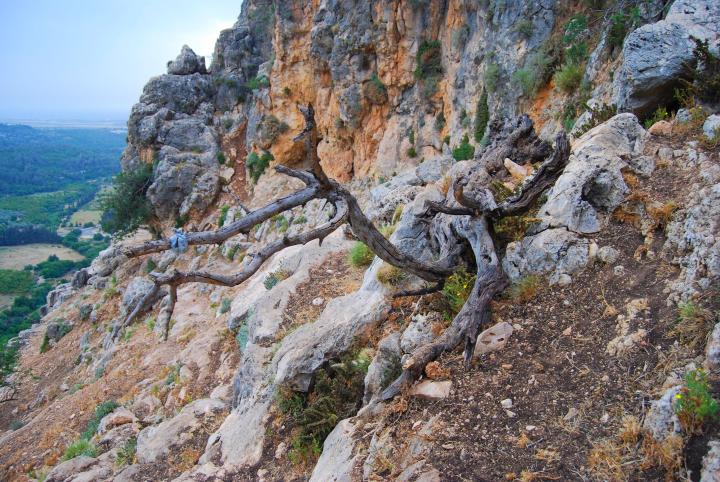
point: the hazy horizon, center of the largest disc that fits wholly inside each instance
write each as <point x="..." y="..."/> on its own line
<point x="85" y="62"/>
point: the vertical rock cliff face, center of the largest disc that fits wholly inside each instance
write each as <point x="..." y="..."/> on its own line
<point x="390" y="80"/>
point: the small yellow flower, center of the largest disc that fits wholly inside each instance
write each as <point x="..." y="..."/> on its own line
<point x="678" y="396"/>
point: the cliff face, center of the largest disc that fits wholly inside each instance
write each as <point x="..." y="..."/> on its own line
<point x="279" y="378"/>
<point x="390" y="80"/>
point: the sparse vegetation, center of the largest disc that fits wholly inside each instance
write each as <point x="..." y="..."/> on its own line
<point x="428" y="68"/>
<point x="693" y="325"/>
<point x="568" y="78"/>
<point x="126" y="453"/>
<point x="482" y="116"/>
<point x="464" y="151"/>
<point x="360" y="255"/>
<point x="221" y="157"/>
<point x="272" y="279"/>
<point x="524" y="289"/>
<point x="79" y="447"/>
<point x="258" y="82"/>
<point x="695" y="405"/>
<point x="336" y="394"/>
<point x="492" y="76"/>
<point x="598" y="114"/>
<point x="660" y="113"/>
<point x="440" y="121"/>
<point x="390" y="275"/>
<point x="126" y="207"/>
<point x="256" y="165"/>
<point x="411" y="152"/>
<point x="225" y="305"/>
<point x="457" y="289"/>
<point x="375" y="90"/>
<point x="223" y="215"/>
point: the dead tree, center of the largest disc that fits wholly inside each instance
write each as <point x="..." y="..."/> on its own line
<point x="465" y="220"/>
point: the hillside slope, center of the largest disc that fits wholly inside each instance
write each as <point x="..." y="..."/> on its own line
<point x="600" y="360"/>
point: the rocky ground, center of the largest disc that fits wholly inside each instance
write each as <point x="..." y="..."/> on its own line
<point x="613" y="298"/>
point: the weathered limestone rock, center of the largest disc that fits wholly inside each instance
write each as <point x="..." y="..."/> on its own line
<point x="186" y="63"/>
<point x="156" y="441"/>
<point x="493" y="338"/>
<point x="432" y="390"/>
<point x="385" y="363"/>
<point x="119" y="416"/>
<point x="134" y="293"/>
<point x="711" y="127"/>
<point x="711" y="463"/>
<point x="661" y="419"/>
<point x="418" y="333"/>
<point x="66" y="470"/>
<point x="338" y="463"/>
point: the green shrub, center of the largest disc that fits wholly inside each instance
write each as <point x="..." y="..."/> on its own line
<point x="150" y="265"/>
<point x="79" y="447"/>
<point x="360" y="255"/>
<point x="221" y="158"/>
<point x="126" y="453"/>
<point x="16" y="282"/>
<point x="525" y="28"/>
<point x="150" y="324"/>
<point x="428" y="59"/>
<point x="568" y="78"/>
<point x="492" y="76"/>
<point x="258" y="82"/>
<point x="464" y="151"/>
<point x="125" y="206"/>
<point x="660" y="113"/>
<point x="457" y="289"/>
<point x="281" y="223"/>
<point x="300" y="219"/>
<point x="375" y="90"/>
<point x="525" y="79"/>
<point x="440" y="121"/>
<point x="482" y="116"/>
<point x="256" y="165"/>
<point x="223" y="216"/>
<point x="45" y="345"/>
<point x="620" y="25"/>
<point x="336" y="395"/>
<point x="705" y="79"/>
<point x="695" y="405"/>
<point x="411" y="152"/>
<point x="272" y="279"/>
<point x="102" y="409"/>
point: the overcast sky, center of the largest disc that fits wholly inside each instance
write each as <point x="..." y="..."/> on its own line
<point x="89" y="59"/>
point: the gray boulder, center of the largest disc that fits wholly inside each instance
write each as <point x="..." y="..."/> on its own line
<point x="154" y="443"/>
<point x="657" y="56"/>
<point x="57" y="329"/>
<point x="187" y="63"/>
<point x="661" y="420"/>
<point x="418" y="333"/>
<point x="67" y="469"/>
<point x="711" y="463"/>
<point x="711" y="127"/>
<point x="385" y="362"/>
<point x="135" y="291"/>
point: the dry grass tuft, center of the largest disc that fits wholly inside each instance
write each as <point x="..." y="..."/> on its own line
<point x="390" y="275"/>
<point x="693" y="326"/>
<point x="666" y="454"/>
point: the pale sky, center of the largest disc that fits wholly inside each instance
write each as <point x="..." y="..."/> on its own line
<point x="89" y="59"/>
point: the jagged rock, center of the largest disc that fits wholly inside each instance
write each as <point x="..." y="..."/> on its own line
<point x="57" y="329"/>
<point x="155" y="442"/>
<point x="167" y="258"/>
<point x="418" y="333"/>
<point x="711" y="127"/>
<point x="119" y="416"/>
<point x="657" y="56"/>
<point x="146" y="406"/>
<point x="338" y="462"/>
<point x="385" y="364"/>
<point x="432" y="170"/>
<point x="107" y="261"/>
<point x="186" y="63"/>
<point x="711" y="463"/>
<point x="66" y="470"/>
<point x="57" y="296"/>
<point x="493" y="338"/>
<point x="592" y="182"/>
<point x="7" y="393"/>
<point x="553" y="251"/>
<point x="693" y="241"/>
<point x="712" y="351"/>
<point x="661" y="420"/>
<point x="432" y="390"/>
<point x="80" y="278"/>
<point x="134" y="293"/>
<point x="117" y="436"/>
<point x="608" y="254"/>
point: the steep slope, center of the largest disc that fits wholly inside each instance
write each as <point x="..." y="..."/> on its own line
<point x="279" y="378"/>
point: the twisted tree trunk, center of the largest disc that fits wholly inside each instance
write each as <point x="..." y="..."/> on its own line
<point x="470" y="216"/>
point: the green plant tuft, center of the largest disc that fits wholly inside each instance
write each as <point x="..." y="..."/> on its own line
<point x="457" y="289"/>
<point x="695" y="405"/>
<point x="464" y="151"/>
<point x="360" y="255"/>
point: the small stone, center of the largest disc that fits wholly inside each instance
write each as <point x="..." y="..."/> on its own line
<point x="507" y="403"/>
<point x="571" y="414"/>
<point x="510" y="413"/>
<point x="665" y="154"/>
<point x="280" y="450"/>
<point x="564" y="279"/>
<point x="619" y="270"/>
<point x="318" y="301"/>
<point x="605" y="417"/>
<point x="530" y="428"/>
<point x="608" y="254"/>
<point x="661" y="128"/>
<point x="448" y="446"/>
<point x="567" y="331"/>
<point x="64" y="387"/>
<point x="432" y="390"/>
